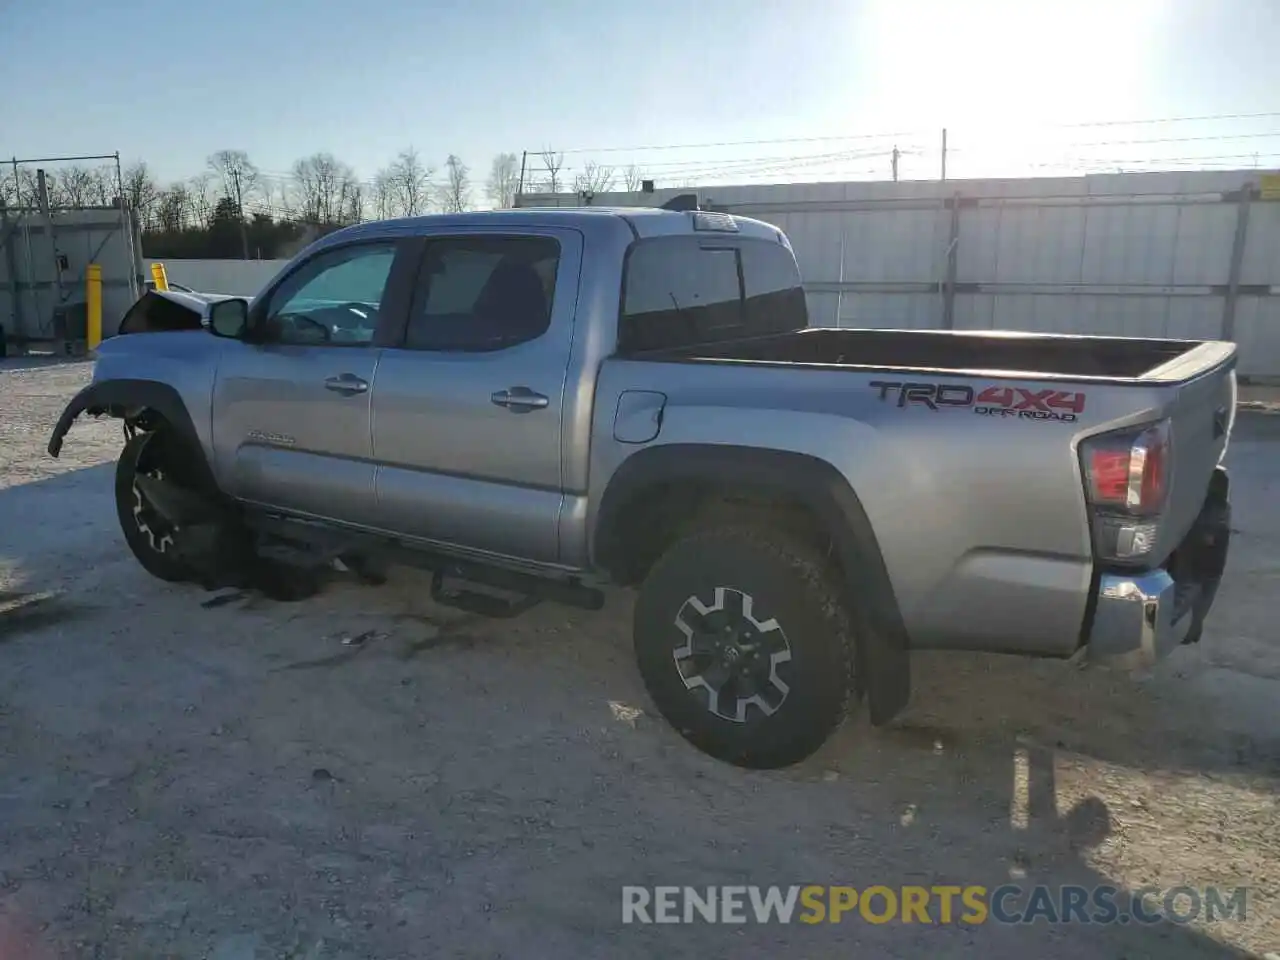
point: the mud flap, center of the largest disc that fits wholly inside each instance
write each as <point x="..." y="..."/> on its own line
<point x="884" y="665"/>
<point x="1201" y="559"/>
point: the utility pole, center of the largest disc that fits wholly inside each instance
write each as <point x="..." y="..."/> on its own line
<point x="895" y="164"/>
<point x="524" y="160"/>
<point x="244" y="230"/>
<point x="944" y="153"/>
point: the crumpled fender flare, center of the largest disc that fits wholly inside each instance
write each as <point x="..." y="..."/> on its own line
<point x="119" y="397"/>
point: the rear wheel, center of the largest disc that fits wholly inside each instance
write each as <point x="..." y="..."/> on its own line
<point x="745" y="644"/>
<point x="152" y="539"/>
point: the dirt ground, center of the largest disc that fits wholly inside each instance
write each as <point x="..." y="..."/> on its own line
<point x="233" y="781"/>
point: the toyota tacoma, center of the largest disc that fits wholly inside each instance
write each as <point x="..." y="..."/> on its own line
<point x="536" y="404"/>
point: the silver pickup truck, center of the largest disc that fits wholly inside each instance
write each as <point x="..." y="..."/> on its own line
<point x="534" y="404"/>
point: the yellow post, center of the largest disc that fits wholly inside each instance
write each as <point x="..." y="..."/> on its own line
<point x="93" y="305"/>
<point x="159" y="276"/>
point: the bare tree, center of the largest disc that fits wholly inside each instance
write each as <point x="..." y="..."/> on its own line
<point x="593" y="178"/>
<point x="408" y="182"/>
<point x="75" y="187"/>
<point x="457" y="195"/>
<point x="504" y="179"/>
<point x="355" y="203"/>
<point x="383" y="198"/>
<point x="552" y="163"/>
<point x="8" y="190"/>
<point x="28" y="188"/>
<point x="140" y="190"/>
<point x="632" y="178"/>
<point x="24" y="188"/>
<point x="322" y="187"/>
<point x="237" y="176"/>
<point x="269" y="191"/>
<point x="172" y="209"/>
<point x="103" y="187"/>
<point x="199" y="191"/>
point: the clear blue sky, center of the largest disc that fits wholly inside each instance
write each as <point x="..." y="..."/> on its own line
<point x="172" y="82"/>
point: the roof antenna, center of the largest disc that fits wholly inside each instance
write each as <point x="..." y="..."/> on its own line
<point x="682" y="202"/>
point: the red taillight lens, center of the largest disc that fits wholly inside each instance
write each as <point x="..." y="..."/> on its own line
<point x="1128" y="470"/>
<point x="1109" y="475"/>
<point x="1126" y="483"/>
<point x="1152" y="469"/>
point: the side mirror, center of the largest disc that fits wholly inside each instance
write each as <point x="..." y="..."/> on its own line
<point x="229" y="318"/>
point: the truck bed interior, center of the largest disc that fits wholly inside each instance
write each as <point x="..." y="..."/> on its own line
<point x="1011" y="353"/>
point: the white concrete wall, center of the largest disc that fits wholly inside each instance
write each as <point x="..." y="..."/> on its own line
<point x="243" y="278"/>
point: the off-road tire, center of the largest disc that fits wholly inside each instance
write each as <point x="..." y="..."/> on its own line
<point x="159" y="561"/>
<point x="789" y="581"/>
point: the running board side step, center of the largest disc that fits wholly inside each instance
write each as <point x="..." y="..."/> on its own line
<point x="528" y="588"/>
<point x="481" y="604"/>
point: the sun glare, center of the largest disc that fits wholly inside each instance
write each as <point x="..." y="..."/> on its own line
<point x="996" y="73"/>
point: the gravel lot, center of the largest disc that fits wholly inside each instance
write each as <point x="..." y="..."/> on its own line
<point x="186" y="781"/>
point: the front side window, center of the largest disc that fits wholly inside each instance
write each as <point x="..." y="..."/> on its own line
<point x="334" y="298"/>
<point x="484" y="293"/>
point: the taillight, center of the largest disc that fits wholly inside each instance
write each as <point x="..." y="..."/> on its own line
<point x="1127" y="484"/>
<point x="1109" y="474"/>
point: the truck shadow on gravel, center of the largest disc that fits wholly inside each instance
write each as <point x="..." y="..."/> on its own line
<point x="1164" y="724"/>
<point x="22" y="614"/>
<point x="1011" y="807"/>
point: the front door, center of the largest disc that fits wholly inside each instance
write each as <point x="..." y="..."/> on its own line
<point x="467" y="410"/>
<point x="291" y="410"/>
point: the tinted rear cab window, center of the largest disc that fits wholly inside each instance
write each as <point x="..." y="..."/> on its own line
<point x="681" y="291"/>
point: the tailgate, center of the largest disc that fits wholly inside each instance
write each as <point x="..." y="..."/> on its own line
<point x="1201" y="417"/>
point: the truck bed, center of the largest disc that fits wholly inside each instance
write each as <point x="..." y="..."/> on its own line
<point x="1029" y="355"/>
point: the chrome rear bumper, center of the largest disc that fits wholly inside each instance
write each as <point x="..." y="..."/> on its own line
<point x="1138" y="620"/>
<point x="1140" y="617"/>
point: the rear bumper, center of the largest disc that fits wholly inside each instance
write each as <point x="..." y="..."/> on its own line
<point x="1139" y="618"/>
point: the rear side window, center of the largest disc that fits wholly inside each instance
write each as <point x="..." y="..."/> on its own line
<point x="484" y="293"/>
<point x="681" y="291"/>
<point x="775" y="300"/>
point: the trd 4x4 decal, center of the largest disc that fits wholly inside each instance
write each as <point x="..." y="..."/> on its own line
<point x="1022" y="403"/>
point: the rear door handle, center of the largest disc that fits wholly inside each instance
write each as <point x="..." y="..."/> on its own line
<point x="519" y="399"/>
<point x="346" y="384"/>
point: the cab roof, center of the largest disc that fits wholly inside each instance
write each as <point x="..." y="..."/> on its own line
<point x="641" y="221"/>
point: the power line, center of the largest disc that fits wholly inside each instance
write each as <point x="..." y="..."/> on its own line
<point x="1143" y="142"/>
<point x="911" y="133"/>
<point x="1134" y="123"/>
<point x="1201" y="158"/>
<point x="734" y="143"/>
<point x="738" y="161"/>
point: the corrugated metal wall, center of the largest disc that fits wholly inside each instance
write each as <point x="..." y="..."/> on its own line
<point x="1183" y="255"/>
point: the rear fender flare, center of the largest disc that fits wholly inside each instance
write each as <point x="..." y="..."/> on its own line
<point x="797" y="477"/>
<point x="121" y="398"/>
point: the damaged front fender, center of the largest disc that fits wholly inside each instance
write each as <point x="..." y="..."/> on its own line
<point x="147" y="403"/>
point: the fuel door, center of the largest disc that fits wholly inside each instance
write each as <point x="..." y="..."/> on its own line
<point x="638" y="418"/>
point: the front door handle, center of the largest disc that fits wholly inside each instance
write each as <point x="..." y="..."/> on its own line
<point x="347" y="384"/>
<point x="519" y="399"/>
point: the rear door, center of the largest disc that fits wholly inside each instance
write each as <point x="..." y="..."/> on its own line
<point x="291" y="414"/>
<point x="468" y="404"/>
